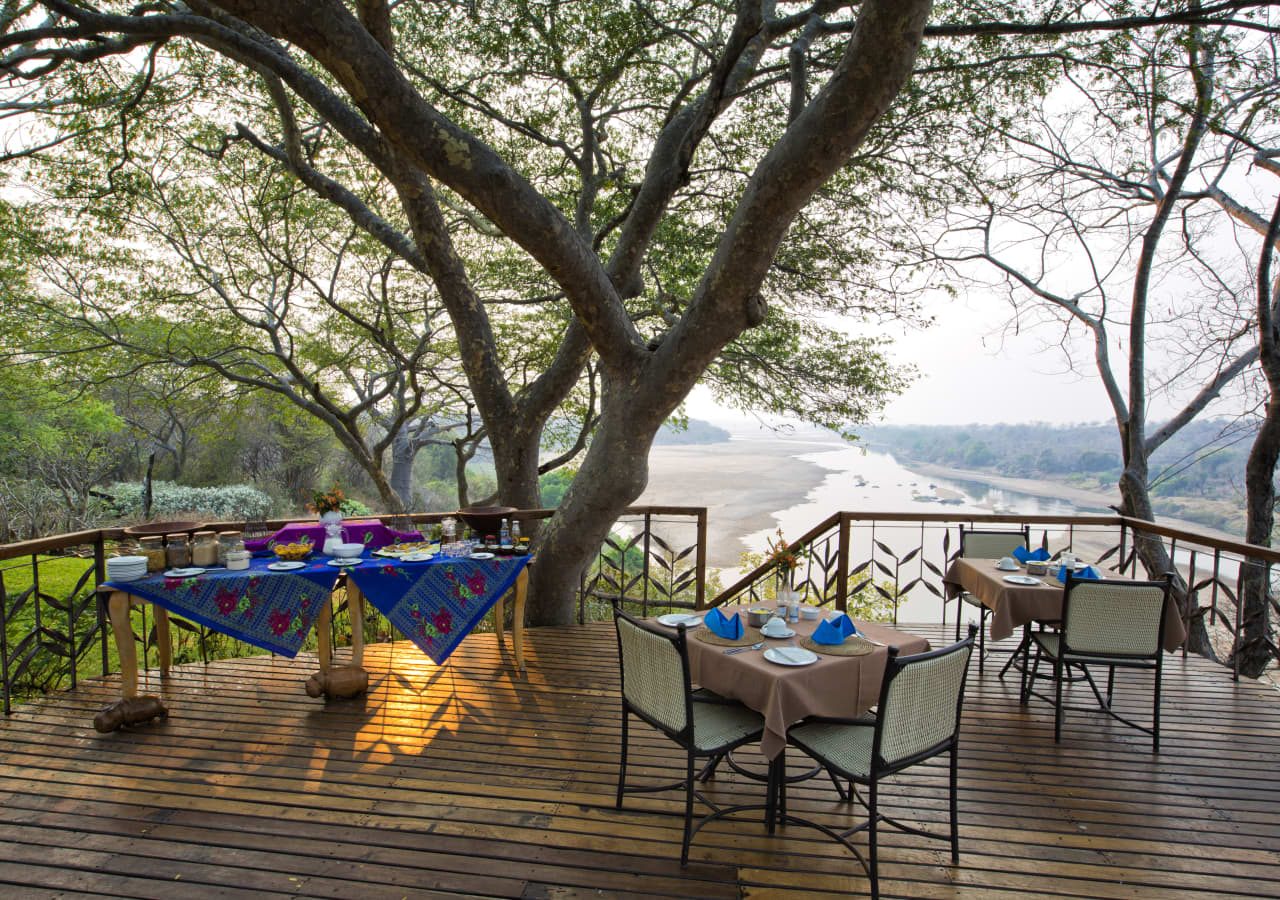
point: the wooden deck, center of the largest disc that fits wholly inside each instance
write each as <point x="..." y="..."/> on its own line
<point x="464" y="779"/>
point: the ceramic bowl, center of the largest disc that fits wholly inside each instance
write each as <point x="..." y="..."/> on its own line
<point x="347" y="551"/>
<point x="810" y="612"/>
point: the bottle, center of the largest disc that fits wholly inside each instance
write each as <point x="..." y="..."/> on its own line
<point x="515" y="531"/>
<point x="504" y="534"/>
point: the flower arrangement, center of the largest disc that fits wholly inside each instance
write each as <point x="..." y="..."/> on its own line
<point x="327" y="501"/>
<point x="782" y="558"/>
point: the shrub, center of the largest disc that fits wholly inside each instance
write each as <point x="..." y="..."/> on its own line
<point x="230" y="501"/>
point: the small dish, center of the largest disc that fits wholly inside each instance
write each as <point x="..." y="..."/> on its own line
<point x="671" y="620"/>
<point x="392" y="552"/>
<point x="482" y="556"/>
<point x="790" y="656"/>
<point x="184" y="573"/>
<point x="416" y="556"/>
<point x="778" y="634"/>
<point x="345" y="562"/>
<point x="286" y="566"/>
<point x="1022" y="579"/>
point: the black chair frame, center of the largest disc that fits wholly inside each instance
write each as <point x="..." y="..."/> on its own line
<point x="684" y="737"/>
<point x="984" y="612"/>
<point x="881" y="769"/>
<point x="1067" y="659"/>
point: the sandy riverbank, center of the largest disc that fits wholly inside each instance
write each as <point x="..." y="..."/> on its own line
<point x="742" y="483"/>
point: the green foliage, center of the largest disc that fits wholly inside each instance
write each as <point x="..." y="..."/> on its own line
<point x="232" y="501"/>
<point x="554" y="485"/>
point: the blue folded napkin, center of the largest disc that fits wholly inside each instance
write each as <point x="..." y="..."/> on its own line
<point x="834" y="631"/>
<point x="1088" y="573"/>
<point x="1022" y="554"/>
<point x="729" y="627"/>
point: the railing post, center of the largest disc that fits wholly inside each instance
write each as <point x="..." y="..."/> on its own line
<point x="700" y="598"/>
<point x="644" y="566"/>
<point x="99" y="576"/>
<point x="843" y="551"/>
<point x="4" y="642"/>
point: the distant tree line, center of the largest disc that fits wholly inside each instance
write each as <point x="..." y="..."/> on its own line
<point x="1203" y="459"/>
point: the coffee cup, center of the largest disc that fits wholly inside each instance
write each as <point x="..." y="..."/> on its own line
<point x="1007" y="563"/>
<point x="774" y="626"/>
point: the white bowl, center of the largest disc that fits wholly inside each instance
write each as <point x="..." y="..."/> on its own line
<point x="810" y="612"/>
<point x="347" y="551"/>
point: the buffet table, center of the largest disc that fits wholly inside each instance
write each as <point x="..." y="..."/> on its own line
<point x="435" y="603"/>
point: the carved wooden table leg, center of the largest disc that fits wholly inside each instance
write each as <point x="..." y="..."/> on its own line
<point x="355" y="605"/>
<point x="324" y="628"/>
<point x="118" y="609"/>
<point x="162" y="639"/>
<point x="517" y="619"/>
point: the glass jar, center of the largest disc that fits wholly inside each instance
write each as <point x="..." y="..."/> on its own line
<point x="177" y="552"/>
<point x="228" y="540"/>
<point x="153" y="549"/>
<point x="204" y="549"/>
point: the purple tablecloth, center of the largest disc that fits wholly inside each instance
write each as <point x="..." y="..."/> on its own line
<point x="370" y="532"/>
<point x="271" y="610"/>
<point x="436" y="603"/>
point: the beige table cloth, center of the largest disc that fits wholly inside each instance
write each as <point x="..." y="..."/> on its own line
<point x="844" y="686"/>
<point x="1014" y="605"/>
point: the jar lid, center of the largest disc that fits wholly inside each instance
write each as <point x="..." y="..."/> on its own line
<point x="206" y="534"/>
<point x="223" y="534"/>
<point x="180" y="536"/>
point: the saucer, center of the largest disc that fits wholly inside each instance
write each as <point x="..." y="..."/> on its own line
<point x="778" y="634"/>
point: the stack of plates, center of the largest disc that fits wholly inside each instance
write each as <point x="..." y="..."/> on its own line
<point x="126" y="568"/>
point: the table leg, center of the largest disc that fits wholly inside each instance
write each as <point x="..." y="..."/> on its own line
<point x="499" y="618"/>
<point x="324" y="628"/>
<point x="165" y="646"/>
<point x="118" y="609"/>
<point x="517" y="618"/>
<point x="355" y="606"/>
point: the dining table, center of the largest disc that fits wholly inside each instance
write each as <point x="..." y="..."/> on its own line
<point x="434" y="602"/>
<point x="1036" y="599"/>
<point x="833" y="686"/>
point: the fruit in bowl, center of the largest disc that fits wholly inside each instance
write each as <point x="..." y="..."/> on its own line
<point x="347" y="551"/>
<point x="292" y="552"/>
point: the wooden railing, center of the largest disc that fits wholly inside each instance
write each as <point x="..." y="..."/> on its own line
<point x="902" y="557"/>
<point x="49" y="638"/>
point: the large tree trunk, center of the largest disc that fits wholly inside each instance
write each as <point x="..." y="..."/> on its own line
<point x="403" y="453"/>
<point x="613" y="474"/>
<point x="1253" y="650"/>
<point x="1135" y="502"/>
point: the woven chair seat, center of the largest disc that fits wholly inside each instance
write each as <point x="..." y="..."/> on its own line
<point x="1051" y="641"/>
<point x="718" y="725"/>
<point x="844" y="747"/>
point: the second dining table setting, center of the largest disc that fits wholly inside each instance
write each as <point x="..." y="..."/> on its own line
<point x="1017" y="598"/>
<point x="789" y="676"/>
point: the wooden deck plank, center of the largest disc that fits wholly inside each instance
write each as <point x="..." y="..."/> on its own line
<point x="467" y="778"/>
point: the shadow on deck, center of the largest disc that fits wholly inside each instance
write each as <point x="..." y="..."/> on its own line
<point x="465" y="779"/>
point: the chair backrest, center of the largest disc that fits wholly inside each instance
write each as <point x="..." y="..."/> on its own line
<point x="920" y="702"/>
<point x="1114" y="617"/>
<point x="992" y="544"/>
<point x="655" y="672"/>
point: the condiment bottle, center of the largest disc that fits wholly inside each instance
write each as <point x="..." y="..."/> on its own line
<point x="177" y="553"/>
<point x="204" y="549"/>
<point x="153" y="549"/>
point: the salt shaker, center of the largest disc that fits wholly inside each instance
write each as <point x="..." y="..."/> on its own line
<point x="793" y="609"/>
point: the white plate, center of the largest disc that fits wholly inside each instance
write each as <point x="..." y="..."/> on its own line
<point x="1022" y="579"/>
<point x="1006" y="568"/>
<point x="417" y="557"/>
<point x="482" y="556"/>
<point x="387" y="551"/>
<point x="286" y="566"/>
<point x="671" y="620"/>
<point x="778" y="634"/>
<point x="184" y="573"/>
<point x="344" y="563"/>
<point x="790" y="656"/>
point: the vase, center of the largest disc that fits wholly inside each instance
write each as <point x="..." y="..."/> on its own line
<point x="333" y="517"/>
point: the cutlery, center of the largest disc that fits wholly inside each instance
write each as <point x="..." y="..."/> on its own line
<point x="733" y="650"/>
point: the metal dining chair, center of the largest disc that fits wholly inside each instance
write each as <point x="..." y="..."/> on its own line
<point x="656" y="689"/>
<point x="1114" y="623"/>
<point x="917" y="718"/>
<point x="978" y="544"/>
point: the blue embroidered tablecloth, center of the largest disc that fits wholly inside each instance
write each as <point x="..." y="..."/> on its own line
<point x="436" y="603"/>
<point x="271" y="610"/>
